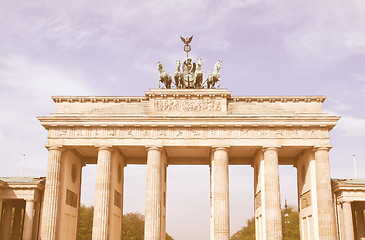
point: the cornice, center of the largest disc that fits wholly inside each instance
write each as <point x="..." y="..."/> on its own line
<point x="97" y="99"/>
<point x="326" y="122"/>
<point x="283" y="99"/>
<point x="160" y="93"/>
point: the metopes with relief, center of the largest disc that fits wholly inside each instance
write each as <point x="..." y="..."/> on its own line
<point x="190" y="132"/>
<point x="191" y="76"/>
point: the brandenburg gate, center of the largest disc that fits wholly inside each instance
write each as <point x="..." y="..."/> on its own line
<point x="187" y="126"/>
<point x="191" y="124"/>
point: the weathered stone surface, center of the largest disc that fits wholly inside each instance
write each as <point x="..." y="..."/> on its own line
<point x="192" y="126"/>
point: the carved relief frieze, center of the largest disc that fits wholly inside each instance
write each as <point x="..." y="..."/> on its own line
<point x="188" y="132"/>
<point x="196" y="133"/>
<point x="187" y="105"/>
<point x="244" y="133"/>
<point x="179" y="133"/>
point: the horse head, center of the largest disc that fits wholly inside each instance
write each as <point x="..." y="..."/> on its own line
<point x="218" y="65"/>
<point x="199" y="63"/>
<point x="160" y="67"/>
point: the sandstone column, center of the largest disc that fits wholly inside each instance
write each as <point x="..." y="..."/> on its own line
<point x="153" y="194"/>
<point x="17" y="221"/>
<point x="348" y="223"/>
<point x="102" y="194"/>
<point x="360" y="222"/>
<point x="5" y="234"/>
<point x="28" y="220"/>
<point x="220" y="194"/>
<point x="272" y="194"/>
<point x="325" y="206"/>
<point x="51" y="193"/>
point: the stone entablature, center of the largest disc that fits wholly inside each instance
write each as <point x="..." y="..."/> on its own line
<point x="176" y="117"/>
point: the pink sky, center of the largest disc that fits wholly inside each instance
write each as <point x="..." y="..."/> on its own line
<point x="109" y="47"/>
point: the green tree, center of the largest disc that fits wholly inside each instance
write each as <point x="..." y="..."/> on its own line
<point x="132" y="226"/>
<point x="247" y="232"/>
<point x="290" y="229"/>
<point x="85" y="223"/>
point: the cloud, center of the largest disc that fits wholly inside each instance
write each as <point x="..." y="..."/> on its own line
<point x="350" y="125"/>
<point x="233" y="4"/>
<point x="326" y="31"/>
<point x="358" y="77"/>
<point x="36" y="78"/>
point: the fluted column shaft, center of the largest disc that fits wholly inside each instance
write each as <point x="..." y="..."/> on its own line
<point x="51" y="194"/>
<point x="28" y="220"/>
<point x="102" y="195"/>
<point x="220" y="194"/>
<point x="17" y="222"/>
<point x="348" y="221"/>
<point x="325" y="206"/>
<point x="153" y="194"/>
<point x="272" y="194"/>
<point x="5" y="231"/>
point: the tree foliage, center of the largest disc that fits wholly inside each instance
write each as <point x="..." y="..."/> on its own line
<point x="85" y="223"/>
<point x="290" y="229"/>
<point x="132" y="226"/>
<point x="247" y="232"/>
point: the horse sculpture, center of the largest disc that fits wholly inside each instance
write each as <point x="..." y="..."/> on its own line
<point x="198" y="74"/>
<point x="214" y="76"/>
<point x="179" y="79"/>
<point x="164" y="77"/>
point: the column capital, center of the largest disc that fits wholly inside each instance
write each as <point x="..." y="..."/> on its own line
<point x="59" y="148"/>
<point x="223" y="148"/>
<point x="323" y="148"/>
<point x="158" y="148"/>
<point x="270" y="148"/>
<point x="345" y="202"/>
<point x="104" y="147"/>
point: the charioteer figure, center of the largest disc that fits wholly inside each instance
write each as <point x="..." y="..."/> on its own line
<point x="191" y="75"/>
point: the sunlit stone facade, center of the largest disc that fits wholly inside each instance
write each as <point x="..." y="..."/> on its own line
<point x="187" y="126"/>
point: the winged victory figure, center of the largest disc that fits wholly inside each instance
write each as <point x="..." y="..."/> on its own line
<point x="186" y="40"/>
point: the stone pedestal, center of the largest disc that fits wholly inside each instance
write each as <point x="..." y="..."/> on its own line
<point x="28" y="220"/>
<point x="220" y="194"/>
<point x="5" y="231"/>
<point x="272" y="194"/>
<point x="325" y="206"/>
<point x="102" y="194"/>
<point x="153" y="194"/>
<point x="51" y="195"/>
